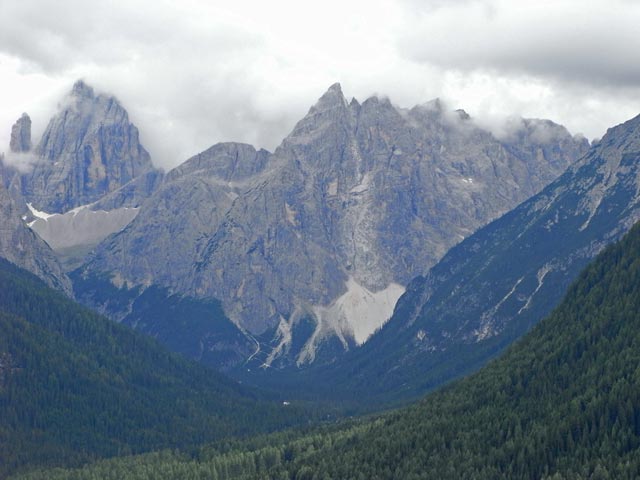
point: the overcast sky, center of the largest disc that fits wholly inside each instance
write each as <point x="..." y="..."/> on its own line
<point x="192" y="73"/>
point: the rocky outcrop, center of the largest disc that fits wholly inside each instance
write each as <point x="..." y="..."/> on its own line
<point x="323" y="234"/>
<point x="21" y="246"/>
<point x="89" y="149"/>
<point x="496" y="284"/>
<point x="21" y="135"/>
<point x="132" y="194"/>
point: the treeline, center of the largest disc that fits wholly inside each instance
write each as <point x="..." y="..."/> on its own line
<point x="563" y="403"/>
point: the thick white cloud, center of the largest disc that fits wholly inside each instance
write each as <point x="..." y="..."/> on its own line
<point x="588" y="42"/>
<point x="192" y="73"/>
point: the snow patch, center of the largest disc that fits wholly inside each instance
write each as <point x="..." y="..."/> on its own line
<point x="38" y="213"/>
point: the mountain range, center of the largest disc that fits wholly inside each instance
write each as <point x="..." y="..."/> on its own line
<point x="308" y="248"/>
<point x="284" y="268"/>
<point x="376" y="254"/>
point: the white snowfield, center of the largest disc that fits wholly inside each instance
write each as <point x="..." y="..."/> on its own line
<point x="80" y="226"/>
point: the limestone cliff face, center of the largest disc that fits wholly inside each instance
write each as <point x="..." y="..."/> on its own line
<point x="355" y="202"/>
<point x="89" y="149"/>
<point x="21" y="246"/>
<point x="21" y="135"/>
<point x="506" y="277"/>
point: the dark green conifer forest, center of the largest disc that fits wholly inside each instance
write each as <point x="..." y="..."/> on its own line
<point x="75" y="386"/>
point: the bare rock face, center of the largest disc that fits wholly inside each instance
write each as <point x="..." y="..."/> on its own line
<point x="21" y="246"/>
<point x="83" y="180"/>
<point x="500" y="281"/>
<point x="89" y="149"/>
<point x="324" y="234"/>
<point x="21" y="135"/>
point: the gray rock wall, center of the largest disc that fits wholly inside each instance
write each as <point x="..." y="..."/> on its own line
<point x="21" y="135"/>
<point x="89" y="149"/>
<point x="365" y="193"/>
<point x="21" y="246"/>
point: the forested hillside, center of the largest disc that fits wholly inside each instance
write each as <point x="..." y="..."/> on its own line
<point x="562" y="403"/>
<point x="75" y="386"/>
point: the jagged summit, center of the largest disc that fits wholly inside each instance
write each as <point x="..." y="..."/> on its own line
<point x="21" y="135"/>
<point x="378" y="100"/>
<point x="82" y="89"/>
<point x="626" y="135"/>
<point x="462" y="114"/>
<point x="434" y="105"/>
<point x="332" y="98"/>
<point x="89" y="149"/>
<point x="228" y="161"/>
<point x="336" y="87"/>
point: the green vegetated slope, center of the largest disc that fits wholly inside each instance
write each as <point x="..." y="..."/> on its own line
<point x="562" y="403"/>
<point x="195" y="328"/>
<point x="75" y="386"/>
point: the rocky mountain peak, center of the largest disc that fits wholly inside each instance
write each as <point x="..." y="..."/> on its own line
<point x="625" y="135"/>
<point x="379" y="107"/>
<point x="336" y="88"/>
<point x="462" y="114"/>
<point x="228" y="161"/>
<point x="498" y="282"/>
<point x="331" y="99"/>
<point x="376" y="102"/>
<point x="433" y="110"/>
<point x="21" y="135"/>
<point x="89" y="149"/>
<point x="81" y="90"/>
<point x="328" y="119"/>
<point x="434" y="105"/>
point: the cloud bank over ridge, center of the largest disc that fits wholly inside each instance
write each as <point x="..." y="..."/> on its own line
<point x="194" y="73"/>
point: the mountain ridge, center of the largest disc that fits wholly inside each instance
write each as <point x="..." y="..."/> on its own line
<point x="282" y="246"/>
<point x="495" y="285"/>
